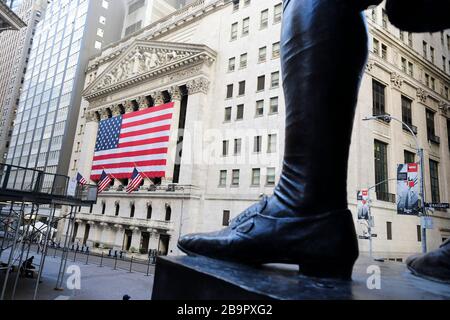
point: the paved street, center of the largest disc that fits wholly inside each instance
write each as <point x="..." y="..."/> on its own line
<point x="97" y="283"/>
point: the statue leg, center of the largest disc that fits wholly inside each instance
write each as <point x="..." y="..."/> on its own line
<point x="306" y="221"/>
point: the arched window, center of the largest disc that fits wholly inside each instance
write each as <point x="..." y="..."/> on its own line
<point x="168" y="212"/>
<point x="149" y="211"/>
<point x="103" y="207"/>
<point x="117" y="209"/>
<point x="132" y="210"/>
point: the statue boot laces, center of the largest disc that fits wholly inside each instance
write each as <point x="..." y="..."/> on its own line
<point x="306" y="221"/>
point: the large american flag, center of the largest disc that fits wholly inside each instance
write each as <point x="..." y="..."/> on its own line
<point x="138" y="140"/>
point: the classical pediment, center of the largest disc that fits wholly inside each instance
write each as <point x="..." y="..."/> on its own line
<point x="144" y="60"/>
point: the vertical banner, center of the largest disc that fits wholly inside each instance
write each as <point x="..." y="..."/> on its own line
<point x="363" y="204"/>
<point x="408" y="189"/>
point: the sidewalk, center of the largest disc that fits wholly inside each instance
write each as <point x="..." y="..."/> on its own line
<point x="97" y="283"/>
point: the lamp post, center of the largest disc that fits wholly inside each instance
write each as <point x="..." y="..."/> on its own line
<point x="389" y="118"/>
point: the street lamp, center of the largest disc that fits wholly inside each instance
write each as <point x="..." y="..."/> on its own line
<point x="388" y="118"/>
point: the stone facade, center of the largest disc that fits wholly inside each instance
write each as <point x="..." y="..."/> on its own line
<point x="210" y="57"/>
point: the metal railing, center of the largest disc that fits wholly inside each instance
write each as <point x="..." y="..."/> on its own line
<point x="31" y="181"/>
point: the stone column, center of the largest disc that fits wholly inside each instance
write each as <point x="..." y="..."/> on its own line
<point x="136" y="238"/>
<point x="119" y="234"/>
<point x="115" y="109"/>
<point x="154" y="239"/>
<point x="193" y="147"/>
<point x="143" y="102"/>
<point x="158" y="98"/>
<point x="88" y="145"/>
<point x="80" y="231"/>
<point x="92" y="234"/>
<point x="105" y="234"/>
<point x="176" y="95"/>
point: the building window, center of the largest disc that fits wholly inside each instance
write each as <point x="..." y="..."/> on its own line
<point x="430" y="126"/>
<point x="240" y="112"/>
<point x="103" y="207"/>
<point x="275" y="79"/>
<point x="444" y="63"/>
<point x="404" y="65"/>
<point x="410" y="157"/>
<point x="264" y="19"/>
<point x="235" y="178"/>
<point x="257" y="144"/>
<point x="117" y="209"/>
<point x="98" y="45"/>
<point x="275" y="50"/>
<point x="243" y="61"/>
<point x="229" y="91"/>
<point x="132" y="210"/>
<point x="227" y="117"/>
<point x="261" y="83"/>
<point x="262" y="55"/>
<point x="135" y="6"/>
<point x="419" y="233"/>
<point x="410" y="39"/>
<point x="234" y="31"/>
<point x="168" y="212"/>
<point x="379" y="99"/>
<point x="425" y="49"/>
<point x="272" y="143"/>
<point x="235" y="5"/>
<point x="383" y="52"/>
<point x="407" y="111"/>
<point x="231" y="64"/>
<point x="149" y="211"/>
<point x="381" y="170"/>
<point x="411" y="69"/>
<point x="376" y="46"/>
<point x="223" y="178"/>
<point x="434" y="181"/>
<point x="237" y="146"/>
<point x="245" y="27"/>
<point x="226" y="218"/>
<point x="385" y="19"/>
<point x="105" y="4"/>
<point x="259" y="108"/>
<point x="102" y="20"/>
<point x="225" y="145"/>
<point x="388" y="230"/>
<point x="273" y="105"/>
<point x="100" y="32"/>
<point x="256" y="177"/>
<point x="432" y="54"/>
<point x="270" y="177"/>
<point x="241" y="88"/>
<point x="278" y="9"/>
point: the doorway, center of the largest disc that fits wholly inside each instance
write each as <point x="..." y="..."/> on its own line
<point x="163" y="247"/>
<point x="86" y="233"/>
<point x="127" y="240"/>
<point x="145" y="239"/>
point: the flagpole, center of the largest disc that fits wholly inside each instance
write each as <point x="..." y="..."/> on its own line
<point x="145" y="176"/>
<point x="109" y="173"/>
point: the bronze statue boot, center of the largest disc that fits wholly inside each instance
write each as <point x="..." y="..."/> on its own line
<point x="306" y="221"/>
<point x="433" y="265"/>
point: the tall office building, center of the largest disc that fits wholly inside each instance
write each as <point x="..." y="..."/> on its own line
<point x="15" y="53"/>
<point x="70" y="33"/>
<point x="140" y="13"/>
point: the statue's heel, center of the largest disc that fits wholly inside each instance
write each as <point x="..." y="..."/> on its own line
<point x="327" y="269"/>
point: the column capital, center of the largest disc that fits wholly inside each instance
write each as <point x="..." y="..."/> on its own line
<point x="158" y="97"/>
<point x="199" y="85"/>
<point x="115" y="109"/>
<point x="175" y="93"/>
<point x="128" y="105"/>
<point x="91" y="117"/>
<point x="103" y="114"/>
<point x="143" y="102"/>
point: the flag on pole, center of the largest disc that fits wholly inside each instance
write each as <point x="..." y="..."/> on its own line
<point x="104" y="182"/>
<point x="81" y="180"/>
<point x="136" y="140"/>
<point x="135" y="181"/>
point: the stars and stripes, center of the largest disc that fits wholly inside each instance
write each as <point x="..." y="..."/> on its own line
<point x="104" y="182"/>
<point x="135" y="181"/>
<point x="81" y="180"/>
<point x="137" y="140"/>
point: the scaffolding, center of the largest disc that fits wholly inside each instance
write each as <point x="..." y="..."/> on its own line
<point x="29" y="202"/>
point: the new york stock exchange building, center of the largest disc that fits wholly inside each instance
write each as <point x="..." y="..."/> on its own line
<point x="214" y="142"/>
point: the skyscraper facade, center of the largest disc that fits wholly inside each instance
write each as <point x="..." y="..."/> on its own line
<point x="70" y="33"/>
<point x="15" y="53"/>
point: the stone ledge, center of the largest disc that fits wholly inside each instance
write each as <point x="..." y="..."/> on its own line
<point x="199" y="278"/>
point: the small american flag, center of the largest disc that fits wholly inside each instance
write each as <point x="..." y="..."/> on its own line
<point x="81" y="180"/>
<point x="104" y="182"/>
<point x="138" y="140"/>
<point x="135" y="181"/>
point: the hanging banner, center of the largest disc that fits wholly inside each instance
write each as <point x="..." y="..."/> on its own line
<point x="363" y="204"/>
<point x="408" y="189"/>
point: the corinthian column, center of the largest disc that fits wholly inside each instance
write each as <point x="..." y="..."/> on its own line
<point x="176" y="95"/>
<point x="158" y="98"/>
